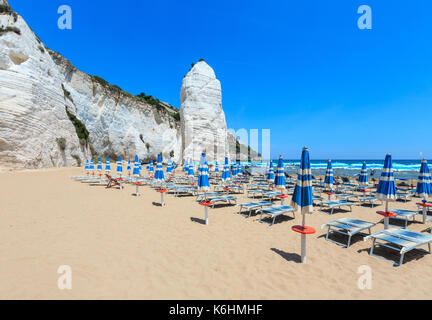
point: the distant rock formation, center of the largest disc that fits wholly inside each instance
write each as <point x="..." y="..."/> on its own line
<point x="203" y="126"/>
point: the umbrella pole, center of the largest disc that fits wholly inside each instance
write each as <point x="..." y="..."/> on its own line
<point x="303" y="241"/>
<point x="206" y="216"/>
<point x="424" y="212"/>
<point x="386" y="219"/>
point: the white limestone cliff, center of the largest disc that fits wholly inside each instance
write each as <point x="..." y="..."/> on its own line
<point x="203" y="125"/>
<point x="37" y="86"/>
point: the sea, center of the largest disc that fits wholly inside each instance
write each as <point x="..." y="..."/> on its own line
<point x="403" y="169"/>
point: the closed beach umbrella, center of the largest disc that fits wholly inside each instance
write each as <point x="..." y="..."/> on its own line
<point x="91" y="165"/>
<point x="217" y="168"/>
<point x="119" y="166"/>
<point x="203" y="179"/>
<point x="328" y="180"/>
<point x="140" y="166"/>
<point x="169" y="167"/>
<point x="302" y="198"/>
<point x="159" y="174"/>
<point x="107" y="165"/>
<point x="87" y="166"/>
<point x="136" y="170"/>
<point x="129" y="167"/>
<point x="151" y="166"/>
<point x="99" y="165"/>
<point x="386" y="189"/>
<point x="191" y="169"/>
<point x="424" y="186"/>
<point x="148" y="166"/>
<point x="234" y="170"/>
<point x="270" y="173"/>
<point x="363" y="177"/>
<point x="239" y="169"/>
<point x="279" y="180"/>
<point x="226" y="171"/>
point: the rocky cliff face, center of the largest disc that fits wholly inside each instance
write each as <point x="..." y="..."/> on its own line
<point x="35" y="130"/>
<point x="41" y="92"/>
<point x="203" y="126"/>
<point x="52" y="114"/>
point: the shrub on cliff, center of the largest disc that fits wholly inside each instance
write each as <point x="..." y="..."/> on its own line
<point x="61" y="143"/>
<point x="77" y="159"/>
<point x="10" y="29"/>
<point x="4" y="9"/>
<point x="80" y="128"/>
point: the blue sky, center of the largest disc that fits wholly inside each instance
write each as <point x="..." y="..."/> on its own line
<point x="300" y="68"/>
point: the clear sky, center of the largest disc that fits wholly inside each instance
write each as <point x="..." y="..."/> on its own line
<point x="300" y="68"/>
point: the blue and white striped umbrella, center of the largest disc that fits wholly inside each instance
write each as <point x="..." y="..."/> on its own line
<point x="386" y="189"/>
<point x="270" y="173"/>
<point x="424" y="186"/>
<point x="169" y="169"/>
<point x="302" y="196"/>
<point x="363" y="177"/>
<point x="328" y="180"/>
<point x="191" y="168"/>
<point x="136" y="170"/>
<point x="203" y="179"/>
<point x="159" y="174"/>
<point x="239" y="169"/>
<point x="107" y="165"/>
<point x="151" y="166"/>
<point x="119" y="165"/>
<point x="140" y="167"/>
<point x="186" y="167"/>
<point x="148" y="166"/>
<point x="91" y="164"/>
<point x="279" y="180"/>
<point x="129" y="169"/>
<point x="87" y="166"/>
<point x="226" y="171"/>
<point x="217" y="167"/>
<point x="99" y="165"/>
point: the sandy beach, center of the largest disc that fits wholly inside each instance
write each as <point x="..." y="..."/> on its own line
<point x="120" y="246"/>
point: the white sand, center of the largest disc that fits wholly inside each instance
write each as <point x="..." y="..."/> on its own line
<point x="123" y="247"/>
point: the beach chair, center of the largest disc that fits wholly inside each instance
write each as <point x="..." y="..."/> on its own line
<point x="404" y="215"/>
<point x="203" y="195"/>
<point x="226" y="199"/>
<point x="112" y="182"/>
<point x="347" y="196"/>
<point x="404" y="196"/>
<point x="348" y="227"/>
<point x="371" y="200"/>
<point x="250" y="206"/>
<point x="333" y="204"/>
<point x="275" y="211"/>
<point x="399" y="240"/>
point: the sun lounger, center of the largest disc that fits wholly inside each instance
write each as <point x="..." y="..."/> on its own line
<point x="203" y="195"/>
<point x="332" y="204"/>
<point x="255" y="193"/>
<point x="347" y="196"/>
<point x="275" y="211"/>
<point x="399" y="240"/>
<point x="348" y="227"/>
<point x="253" y="206"/>
<point x="404" y="196"/>
<point x="112" y="182"/>
<point x="271" y="195"/>
<point x="372" y="201"/>
<point x="226" y="199"/>
<point x="404" y="215"/>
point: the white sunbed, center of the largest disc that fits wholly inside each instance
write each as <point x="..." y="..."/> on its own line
<point x="333" y="204"/>
<point x="226" y="199"/>
<point x="399" y="240"/>
<point x="348" y="227"/>
<point x="404" y="215"/>
<point x="275" y="211"/>
<point x="253" y="206"/>
<point x="370" y="200"/>
<point x="347" y="196"/>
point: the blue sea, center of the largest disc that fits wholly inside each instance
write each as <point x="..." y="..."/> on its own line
<point x="403" y="169"/>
